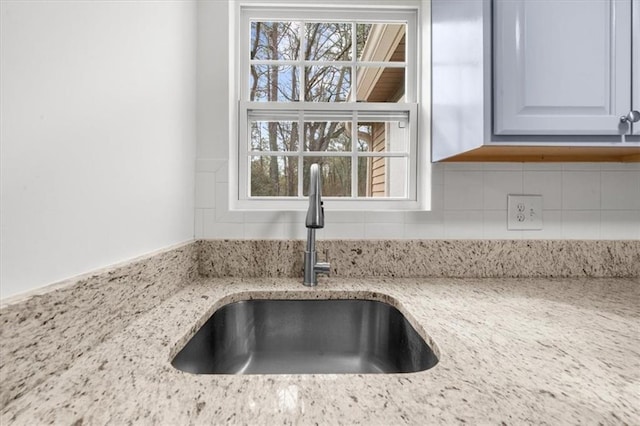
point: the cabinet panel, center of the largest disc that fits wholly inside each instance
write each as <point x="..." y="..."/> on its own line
<point x="562" y="67"/>
<point x="459" y="33"/>
<point x="635" y="67"/>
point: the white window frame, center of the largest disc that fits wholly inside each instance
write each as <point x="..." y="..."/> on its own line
<point x="416" y="14"/>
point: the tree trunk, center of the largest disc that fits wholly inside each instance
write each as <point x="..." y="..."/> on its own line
<point x="254" y="51"/>
<point x="273" y="96"/>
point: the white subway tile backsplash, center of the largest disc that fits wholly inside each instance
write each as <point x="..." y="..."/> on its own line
<point x="384" y="231"/>
<point x="293" y="230"/>
<point x="580" y="190"/>
<point x="294" y="216"/>
<point x="432" y="216"/>
<point x="341" y="216"/>
<point x="581" y="224"/>
<point x="494" y="226"/>
<point x="542" y="166"/>
<point x="205" y="190"/>
<point x="497" y="185"/>
<point x="580" y="201"/>
<point x="620" y="190"/>
<point x="502" y="167"/>
<point x="621" y="167"/>
<point x="582" y="166"/>
<point x="265" y="217"/>
<point x="551" y="227"/>
<point x="264" y="231"/>
<point x="209" y="164"/>
<point x="198" y="227"/>
<point x="463" y="166"/>
<point x="208" y="222"/>
<point x="341" y="230"/>
<point x="437" y="174"/>
<point x="226" y="231"/>
<point x="424" y="230"/>
<point x="384" y="217"/>
<point x="218" y="230"/>
<point x="546" y="183"/>
<point x="463" y="224"/>
<point x="620" y="225"/>
<point x="223" y="214"/>
<point x="463" y="190"/>
<point x="222" y="173"/>
<point x="437" y="197"/>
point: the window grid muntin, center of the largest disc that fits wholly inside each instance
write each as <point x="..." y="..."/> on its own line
<point x="354" y="63"/>
<point x="408" y="18"/>
<point x="302" y="116"/>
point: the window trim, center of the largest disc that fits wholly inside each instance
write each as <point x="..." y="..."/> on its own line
<point x="419" y="174"/>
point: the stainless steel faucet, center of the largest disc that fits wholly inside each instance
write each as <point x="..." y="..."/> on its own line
<point x="315" y="220"/>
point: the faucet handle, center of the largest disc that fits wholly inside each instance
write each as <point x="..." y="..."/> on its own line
<point x="322" y="268"/>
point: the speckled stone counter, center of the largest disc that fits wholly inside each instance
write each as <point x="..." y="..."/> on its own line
<point x="45" y="334"/>
<point x="512" y="351"/>
<point x="424" y="258"/>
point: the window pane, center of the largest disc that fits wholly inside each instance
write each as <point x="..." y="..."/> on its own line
<point x="335" y="174"/>
<point x="327" y="84"/>
<point x="328" y="42"/>
<point x="275" y="40"/>
<point x="365" y="136"/>
<point x="375" y="84"/>
<point x="274" y="136"/>
<point x="381" y="42"/>
<point x="382" y="177"/>
<point x="273" y="176"/>
<point x="271" y="83"/>
<point x="383" y="136"/>
<point x="327" y="136"/>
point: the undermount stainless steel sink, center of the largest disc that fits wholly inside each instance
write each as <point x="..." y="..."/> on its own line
<point x="305" y="337"/>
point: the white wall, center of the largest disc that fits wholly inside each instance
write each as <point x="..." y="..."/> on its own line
<point x="98" y="134"/>
<point x="580" y="200"/>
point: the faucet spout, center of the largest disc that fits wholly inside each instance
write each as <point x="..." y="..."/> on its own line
<point x="315" y="213"/>
<point x="314" y="220"/>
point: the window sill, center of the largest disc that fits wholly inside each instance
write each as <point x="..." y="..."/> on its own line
<point x="330" y="203"/>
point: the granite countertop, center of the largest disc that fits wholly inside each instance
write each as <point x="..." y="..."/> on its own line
<point x="512" y="351"/>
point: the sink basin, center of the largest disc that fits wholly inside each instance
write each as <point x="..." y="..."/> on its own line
<point x="305" y="337"/>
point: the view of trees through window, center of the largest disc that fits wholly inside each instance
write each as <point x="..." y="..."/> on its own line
<point x="310" y="62"/>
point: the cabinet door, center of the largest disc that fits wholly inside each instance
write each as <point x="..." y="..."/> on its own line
<point x="561" y="67"/>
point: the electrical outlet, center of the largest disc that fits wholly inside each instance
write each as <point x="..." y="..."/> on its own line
<point x="524" y="212"/>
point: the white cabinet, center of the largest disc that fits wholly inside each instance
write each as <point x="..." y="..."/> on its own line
<point x="535" y="77"/>
<point x="561" y="67"/>
<point x="635" y="56"/>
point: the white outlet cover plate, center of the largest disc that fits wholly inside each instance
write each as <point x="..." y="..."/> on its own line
<point x="524" y="212"/>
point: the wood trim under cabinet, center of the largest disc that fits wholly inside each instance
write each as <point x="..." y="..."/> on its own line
<point x="549" y="154"/>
